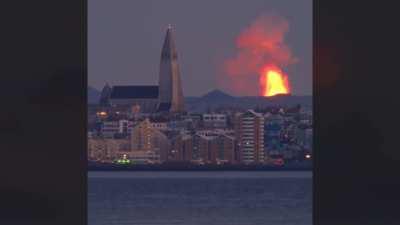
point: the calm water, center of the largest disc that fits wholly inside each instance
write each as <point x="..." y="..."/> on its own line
<point x="194" y="198"/>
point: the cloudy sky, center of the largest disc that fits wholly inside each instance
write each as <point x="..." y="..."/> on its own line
<point x="125" y="39"/>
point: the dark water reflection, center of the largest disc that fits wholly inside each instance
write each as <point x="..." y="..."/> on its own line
<point x="194" y="198"/>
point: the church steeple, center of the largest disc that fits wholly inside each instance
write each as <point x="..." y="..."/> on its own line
<point x="169" y="49"/>
<point x="105" y="95"/>
<point x="170" y="89"/>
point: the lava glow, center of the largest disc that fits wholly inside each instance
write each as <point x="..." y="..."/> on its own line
<point x="273" y="82"/>
<point x="261" y="55"/>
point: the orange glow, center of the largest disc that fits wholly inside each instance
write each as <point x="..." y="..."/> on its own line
<point x="102" y="113"/>
<point x="273" y="81"/>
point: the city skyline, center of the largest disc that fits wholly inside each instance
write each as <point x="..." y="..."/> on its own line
<point x="124" y="44"/>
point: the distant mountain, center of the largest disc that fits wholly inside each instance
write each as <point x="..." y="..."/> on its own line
<point x="217" y="95"/>
<point x="93" y="95"/>
<point x="208" y="101"/>
<point x="217" y="98"/>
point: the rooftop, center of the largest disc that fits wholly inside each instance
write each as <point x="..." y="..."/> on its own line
<point x="129" y="92"/>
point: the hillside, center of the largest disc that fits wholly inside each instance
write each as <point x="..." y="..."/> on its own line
<point x="217" y="98"/>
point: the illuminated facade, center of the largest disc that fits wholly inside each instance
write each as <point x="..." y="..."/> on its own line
<point x="250" y="135"/>
<point x="105" y="149"/>
<point x="148" y="139"/>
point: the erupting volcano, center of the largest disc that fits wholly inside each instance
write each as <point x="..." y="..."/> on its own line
<point x="261" y="56"/>
<point x="273" y="81"/>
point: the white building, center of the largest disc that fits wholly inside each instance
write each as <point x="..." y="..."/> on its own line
<point x="250" y="136"/>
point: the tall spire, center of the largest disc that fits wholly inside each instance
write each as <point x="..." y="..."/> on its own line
<point x="170" y="89"/>
<point x="169" y="48"/>
<point x="105" y="95"/>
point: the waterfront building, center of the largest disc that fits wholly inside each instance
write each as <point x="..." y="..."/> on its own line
<point x="225" y="148"/>
<point x="146" y="138"/>
<point x="103" y="149"/>
<point x="214" y="149"/>
<point x="181" y="149"/>
<point x="249" y="129"/>
<point x="204" y="149"/>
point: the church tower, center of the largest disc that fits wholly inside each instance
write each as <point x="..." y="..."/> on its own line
<point x="170" y="88"/>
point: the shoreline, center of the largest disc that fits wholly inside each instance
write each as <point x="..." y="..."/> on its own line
<point x="190" y="167"/>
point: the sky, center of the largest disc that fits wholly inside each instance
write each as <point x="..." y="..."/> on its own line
<point x="125" y="39"/>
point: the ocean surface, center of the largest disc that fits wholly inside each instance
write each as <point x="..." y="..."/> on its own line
<point x="200" y="198"/>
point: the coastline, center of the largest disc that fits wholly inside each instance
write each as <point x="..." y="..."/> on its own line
<point x="191" y="167"/>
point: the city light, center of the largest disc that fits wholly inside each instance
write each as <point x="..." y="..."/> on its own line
<point x="102" y="113"/>
<point x="123" y="161"/>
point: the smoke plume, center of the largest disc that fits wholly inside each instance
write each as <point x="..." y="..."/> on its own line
<point x="261" y="43"/>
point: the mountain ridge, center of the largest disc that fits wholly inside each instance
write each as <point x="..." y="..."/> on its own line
<point x="216" y="98"/>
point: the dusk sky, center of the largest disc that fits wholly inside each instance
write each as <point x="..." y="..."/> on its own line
<point x="125" y="39"/>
